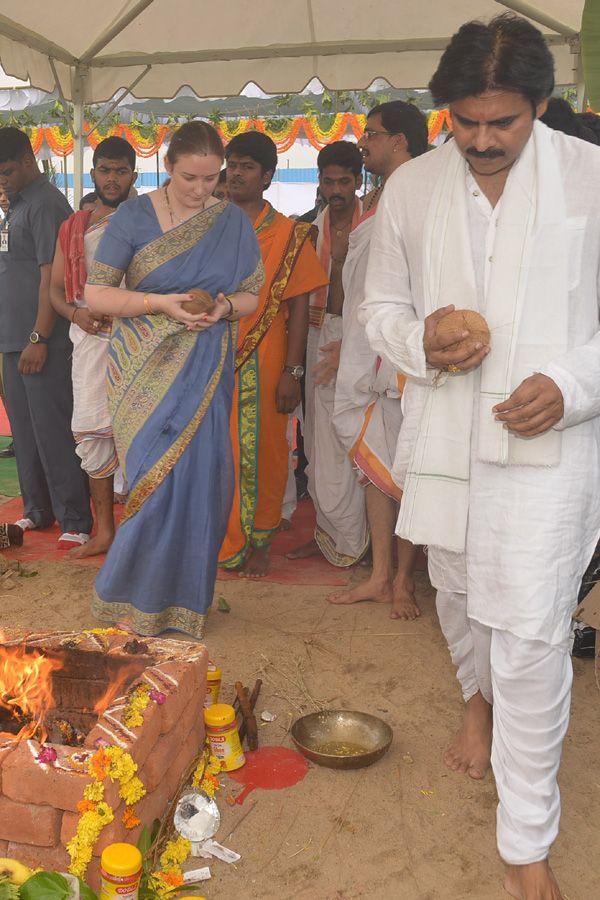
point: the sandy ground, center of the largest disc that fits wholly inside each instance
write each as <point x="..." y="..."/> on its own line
<point x="404" y="828"/>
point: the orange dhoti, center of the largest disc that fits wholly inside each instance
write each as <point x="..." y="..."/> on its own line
<point x="258" y="430"/>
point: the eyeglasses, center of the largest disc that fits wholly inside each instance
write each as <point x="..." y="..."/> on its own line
<point x="370" y="133"/>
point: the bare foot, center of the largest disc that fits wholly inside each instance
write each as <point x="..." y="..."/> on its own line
<point x="404" y="605"/>
<point x="258" y="563"/>
<point x="376" y="589"/>
<point x="470" y="751"/>
<point x="97" y="545"/>
<point x="285" y="525"/>
<point x="533" y="882"/>
<point x="304" y="551"/>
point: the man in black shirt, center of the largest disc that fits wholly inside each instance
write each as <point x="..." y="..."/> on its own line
<point x="36" y="349"/>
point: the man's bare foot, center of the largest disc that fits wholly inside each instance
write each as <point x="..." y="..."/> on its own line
<point x="97" y="545"/>
<point x="284" y="525"/>
<point x="404" y="605"/>
<point x="533" y="882"/>
<point x="311" y="548"/>
<point x="376" y="589"/>
<point x="258" y="563"/>
<point x="470" y="751"/>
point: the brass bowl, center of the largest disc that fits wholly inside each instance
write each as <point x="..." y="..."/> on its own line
<point x="341" y="738"/>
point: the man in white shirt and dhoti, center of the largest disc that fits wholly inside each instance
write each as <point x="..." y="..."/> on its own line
<point x="500" y="448"/>
<point x="368" y="389"/>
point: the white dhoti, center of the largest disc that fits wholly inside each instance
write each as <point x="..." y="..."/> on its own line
<point x="92" y="423"/>
<point x="368" y="409"/>
<point x="529" y="683"/>
<point x="341" y="532"/>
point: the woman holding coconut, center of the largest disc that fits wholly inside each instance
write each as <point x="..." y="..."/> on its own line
<point x="191" y="266"/>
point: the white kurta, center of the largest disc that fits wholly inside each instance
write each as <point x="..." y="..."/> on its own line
<point x="531" y="530"/>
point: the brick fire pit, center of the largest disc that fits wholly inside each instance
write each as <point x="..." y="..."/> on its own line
<point x="38" y="801"/>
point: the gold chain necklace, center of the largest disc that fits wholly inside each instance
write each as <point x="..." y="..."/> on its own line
<point x="173" y="215"/>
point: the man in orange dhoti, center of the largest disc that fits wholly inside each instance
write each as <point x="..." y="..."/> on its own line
<point x="270" y="356"/>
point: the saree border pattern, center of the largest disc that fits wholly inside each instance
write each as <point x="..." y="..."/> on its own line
<point x="105" y="275"/>
<point x="149" y="483"/>
<point x="300" y="232"/>
<point x="150" y="624"/>
<point x="248" y="431"/>
<point x="172" y="243"/>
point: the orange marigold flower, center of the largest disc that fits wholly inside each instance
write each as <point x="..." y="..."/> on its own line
<point x="99" y="764"/>
<point x="85" y="806"/>
<point x="130" y="819"/>
<point x="173" y="878"/>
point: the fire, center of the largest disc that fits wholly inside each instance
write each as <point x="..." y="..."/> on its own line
<point x="26" y="688"/>
<point x="119" y="683"/>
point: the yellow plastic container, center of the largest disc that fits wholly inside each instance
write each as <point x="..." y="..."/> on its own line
<point x="213" y="685"/>
<point x="120" y="871"/>
<point x="223" y="737"/>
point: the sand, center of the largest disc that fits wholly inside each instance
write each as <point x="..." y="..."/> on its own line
<point x="405" y="828"/>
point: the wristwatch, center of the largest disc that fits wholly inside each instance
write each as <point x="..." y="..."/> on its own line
<point x="295" y="371"/>
<point x="36" y="338"/>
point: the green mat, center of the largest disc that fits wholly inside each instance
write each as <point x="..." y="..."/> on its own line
<point x="9" y="482"/>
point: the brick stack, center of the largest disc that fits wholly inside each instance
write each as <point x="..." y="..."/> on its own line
<point x="38" y="801"/>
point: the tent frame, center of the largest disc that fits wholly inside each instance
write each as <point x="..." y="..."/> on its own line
<point x="81" y="66"/>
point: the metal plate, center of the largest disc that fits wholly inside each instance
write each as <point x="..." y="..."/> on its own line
<point x="342" y="739"/>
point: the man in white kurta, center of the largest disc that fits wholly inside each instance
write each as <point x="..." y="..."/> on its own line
<point x="499" y="453"/>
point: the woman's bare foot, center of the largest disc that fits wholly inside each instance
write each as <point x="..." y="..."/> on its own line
<point x="404" y="605"/>
<point x="377" y="589"/>
<point x="97" y="545"/>
<point x="258" y="563"/>
<point x="533" y="882"/>
<point x="311" y="548"/>
<point x="471" y="749"/>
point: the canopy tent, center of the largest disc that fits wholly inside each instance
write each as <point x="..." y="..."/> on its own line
<point x="88" y="51"/>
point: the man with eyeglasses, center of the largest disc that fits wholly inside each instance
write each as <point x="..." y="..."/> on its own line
<point x="367" y="411"/>
<point x="341" y="534"/>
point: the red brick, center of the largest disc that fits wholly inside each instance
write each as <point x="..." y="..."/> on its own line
<point x="54" y="859"/>
<point x="3" y="848"/>
<point x="191" y="685"/>
<point x="139" y="742"/>
<point x="167" y="747"/>
<point x="29" y="824"/>
<point x="57" y="784"/>
<point x="184" y="759"/>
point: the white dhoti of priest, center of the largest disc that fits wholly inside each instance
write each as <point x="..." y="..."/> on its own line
<point x="510" y="521"/>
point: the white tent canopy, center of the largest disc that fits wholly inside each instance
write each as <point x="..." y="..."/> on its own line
<point x="153" y="47"/>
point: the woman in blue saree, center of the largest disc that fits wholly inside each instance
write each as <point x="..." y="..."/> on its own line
<point x="170" y="382"/>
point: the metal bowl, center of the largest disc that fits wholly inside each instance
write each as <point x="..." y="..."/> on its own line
<point x="341" y="738"/>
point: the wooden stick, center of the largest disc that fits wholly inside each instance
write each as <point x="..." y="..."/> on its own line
<point x="251" y="729"/>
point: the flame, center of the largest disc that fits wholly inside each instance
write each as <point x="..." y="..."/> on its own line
<point x="121" y="681"/>
<point x="26" y="688"/>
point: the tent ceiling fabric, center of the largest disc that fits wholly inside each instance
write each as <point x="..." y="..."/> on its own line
<point x="218" y="50"/>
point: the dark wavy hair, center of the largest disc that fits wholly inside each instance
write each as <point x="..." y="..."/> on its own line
<point x="14" y="145"/>
<point x="257" y="146"/>
<point x="509" y="53"/>
<point x="341" y="153"/>
<point x="399" y="117"/>
<point x="115" y="148"/>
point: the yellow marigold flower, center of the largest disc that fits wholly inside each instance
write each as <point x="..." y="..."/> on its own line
<point x="131" y="791"/>
<point x="94" y="791"/>
<point x="175" y="853"/>
<point x="214" y="765"/>
<point x="121" y="767"/>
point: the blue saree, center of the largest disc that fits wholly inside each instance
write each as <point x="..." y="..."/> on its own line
<point x="170" y="395"/>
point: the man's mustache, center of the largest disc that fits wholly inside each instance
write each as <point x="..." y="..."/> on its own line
<point x="484" y="154"/>
<point x="335" y="197"/>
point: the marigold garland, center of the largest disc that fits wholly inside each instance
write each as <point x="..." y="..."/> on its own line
<point x="148" y="139"/>
<point x="137" y="701"/>
<point x="118" y="765"/>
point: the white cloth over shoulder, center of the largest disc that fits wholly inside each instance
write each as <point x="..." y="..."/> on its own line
<point x="530" y="529"/>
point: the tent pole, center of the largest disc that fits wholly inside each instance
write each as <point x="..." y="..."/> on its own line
<point x="78" y="94"/>
<point x="578" y="73"/>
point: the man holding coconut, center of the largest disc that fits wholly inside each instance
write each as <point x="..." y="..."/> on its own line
<point x="501" y="438"/>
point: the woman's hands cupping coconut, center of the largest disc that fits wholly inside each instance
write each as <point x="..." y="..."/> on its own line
<point x="455" y="340"/>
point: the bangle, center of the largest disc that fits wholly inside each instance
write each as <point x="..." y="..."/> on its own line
<point x="231" y="310"/>
<point x="147" y="306"/>
<point x="73" y="316"/>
